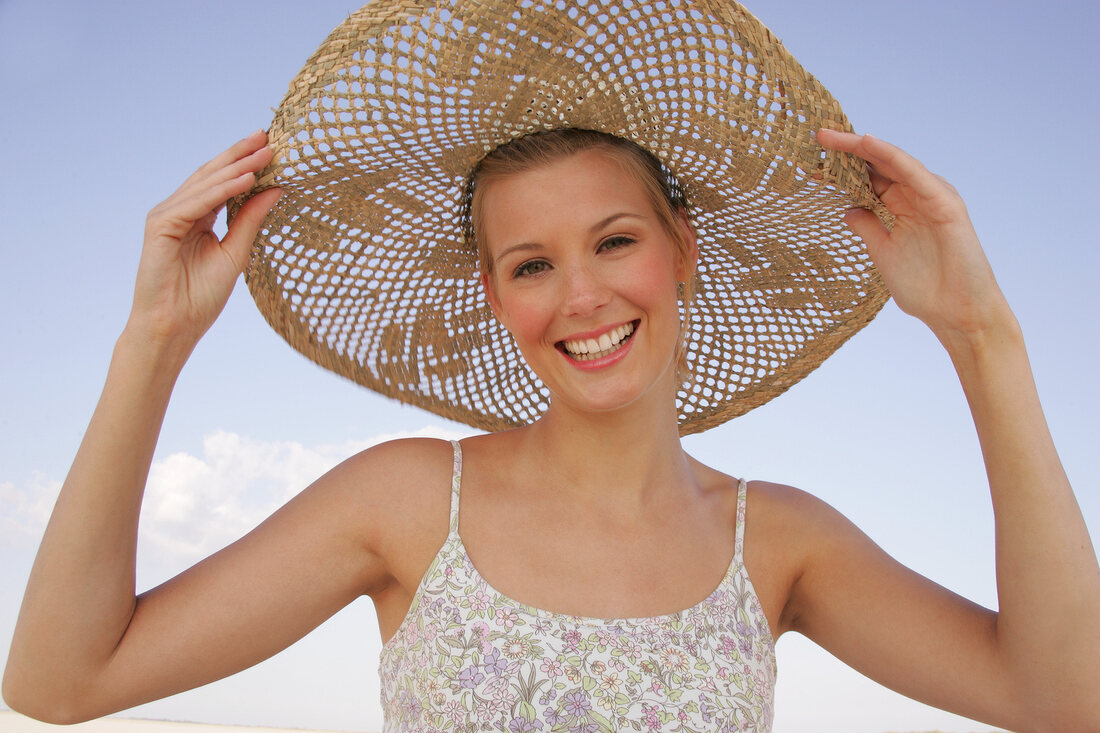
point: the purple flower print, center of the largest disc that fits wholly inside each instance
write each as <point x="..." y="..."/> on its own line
<point x="522" y="725"/>
<point x="494" y="663"/>
<point x="410" y="705"/>
<point x="576" y="704"/>
<point x="553" y="717"/>
<point x="470" y="677"/>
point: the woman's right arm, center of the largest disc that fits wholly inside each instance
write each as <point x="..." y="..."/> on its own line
<point x="85" y="644"/>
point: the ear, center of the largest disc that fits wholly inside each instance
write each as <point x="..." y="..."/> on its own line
<point x="489" y="287"/>
<point x="685" y="269"/>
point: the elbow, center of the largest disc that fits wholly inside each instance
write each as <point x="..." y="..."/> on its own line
<point x="27" y="698"/>
<point x="45" y="712"/>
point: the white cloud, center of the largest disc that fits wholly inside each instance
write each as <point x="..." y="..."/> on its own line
<point x="196" y="504"/>
<point x="24" y="510"/>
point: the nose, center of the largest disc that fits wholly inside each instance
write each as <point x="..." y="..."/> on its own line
<point x="583" y="291"/>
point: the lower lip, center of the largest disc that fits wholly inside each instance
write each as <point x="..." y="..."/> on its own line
<point x="604" y="361"/>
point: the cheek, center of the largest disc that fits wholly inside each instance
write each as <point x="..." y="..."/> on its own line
<point x="525" y="314"/>
<point x="654" y="279"/>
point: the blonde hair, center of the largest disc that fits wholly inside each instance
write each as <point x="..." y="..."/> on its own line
<point x="537" y="149"/>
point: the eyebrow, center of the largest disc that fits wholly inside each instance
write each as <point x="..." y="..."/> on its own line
<point x="591" y="230"/>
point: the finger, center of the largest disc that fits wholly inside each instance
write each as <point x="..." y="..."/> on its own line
<point x="846" y="142"/>
<point x="241" y="149"/>
<point x="182" y="212"/>
<point x="880" y="184"/>
<point x="894" y="163"/>
<point x="834" y="139"/>
<point x="850" y="142"/>
<point x="887" y="160"/>
<point x="238" y="240"/>
<point x="254" y="163"/>
<point x="865" y="225"/>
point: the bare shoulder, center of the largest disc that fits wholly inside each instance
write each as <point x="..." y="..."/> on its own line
<point x="787" y="532"/>
<point x="401" y="489"/>
<point x="399" y="471"/>
<point x="779" y="506"/>
<point x="372" y="512"/>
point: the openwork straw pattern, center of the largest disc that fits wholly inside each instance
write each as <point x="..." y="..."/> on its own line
<point x="362" y="267"/>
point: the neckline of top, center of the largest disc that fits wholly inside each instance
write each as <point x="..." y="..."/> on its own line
<point x="732" y="568"/>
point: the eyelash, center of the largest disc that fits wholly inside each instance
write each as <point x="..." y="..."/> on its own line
<point x="525" y="270"/>
<point x="528" y="268"/>
<point x="617" y="242"/>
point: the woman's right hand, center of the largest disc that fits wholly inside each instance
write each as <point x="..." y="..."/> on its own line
<point x="85" y="643"/>
<point x="186" y="272"/>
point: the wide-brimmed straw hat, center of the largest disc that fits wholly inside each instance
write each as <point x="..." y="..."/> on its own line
<point x="362" y="264"/>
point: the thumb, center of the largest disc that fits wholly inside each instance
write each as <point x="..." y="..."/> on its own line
<point x="242" y="231"/>
<point x="865" y="225"/>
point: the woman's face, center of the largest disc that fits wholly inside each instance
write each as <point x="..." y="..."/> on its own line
<point x="584" y="276"/>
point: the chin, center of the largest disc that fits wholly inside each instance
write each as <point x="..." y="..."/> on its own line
<point x="626" y="398"/>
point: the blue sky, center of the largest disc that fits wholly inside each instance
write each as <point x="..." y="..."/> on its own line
<point x="108" y="106"/>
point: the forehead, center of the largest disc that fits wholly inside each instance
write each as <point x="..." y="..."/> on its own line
<point x="572" y="192"/>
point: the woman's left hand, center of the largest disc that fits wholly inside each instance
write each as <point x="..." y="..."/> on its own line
<point x="931" y="260"/>
<point x="1032" y="664"/>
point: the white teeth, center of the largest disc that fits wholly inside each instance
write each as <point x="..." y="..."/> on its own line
<point x="586" y="349"/>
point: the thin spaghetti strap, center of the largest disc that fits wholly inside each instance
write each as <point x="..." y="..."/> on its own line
<point x="456" y="485"/>
<point x="739" y="530"/>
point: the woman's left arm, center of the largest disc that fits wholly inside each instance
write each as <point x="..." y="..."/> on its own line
<point x="1047" y="629"/>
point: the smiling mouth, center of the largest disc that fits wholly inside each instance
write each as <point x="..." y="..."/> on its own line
<point x="608" y="343"/>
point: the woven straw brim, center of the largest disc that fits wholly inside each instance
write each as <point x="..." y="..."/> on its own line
<point x="361" y="266"/>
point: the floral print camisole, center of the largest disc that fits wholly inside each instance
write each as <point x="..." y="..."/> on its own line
<point x="469" y="658"/>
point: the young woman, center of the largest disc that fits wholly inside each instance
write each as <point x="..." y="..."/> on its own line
<point x="580" y="572"/>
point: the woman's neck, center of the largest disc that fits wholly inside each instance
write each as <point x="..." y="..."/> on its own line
<point x="627" y="459"/>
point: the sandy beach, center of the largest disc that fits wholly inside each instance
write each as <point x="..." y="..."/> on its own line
<point x="15" y="723"/>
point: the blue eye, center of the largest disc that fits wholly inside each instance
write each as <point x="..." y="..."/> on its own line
<point x="531" y="267"/>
